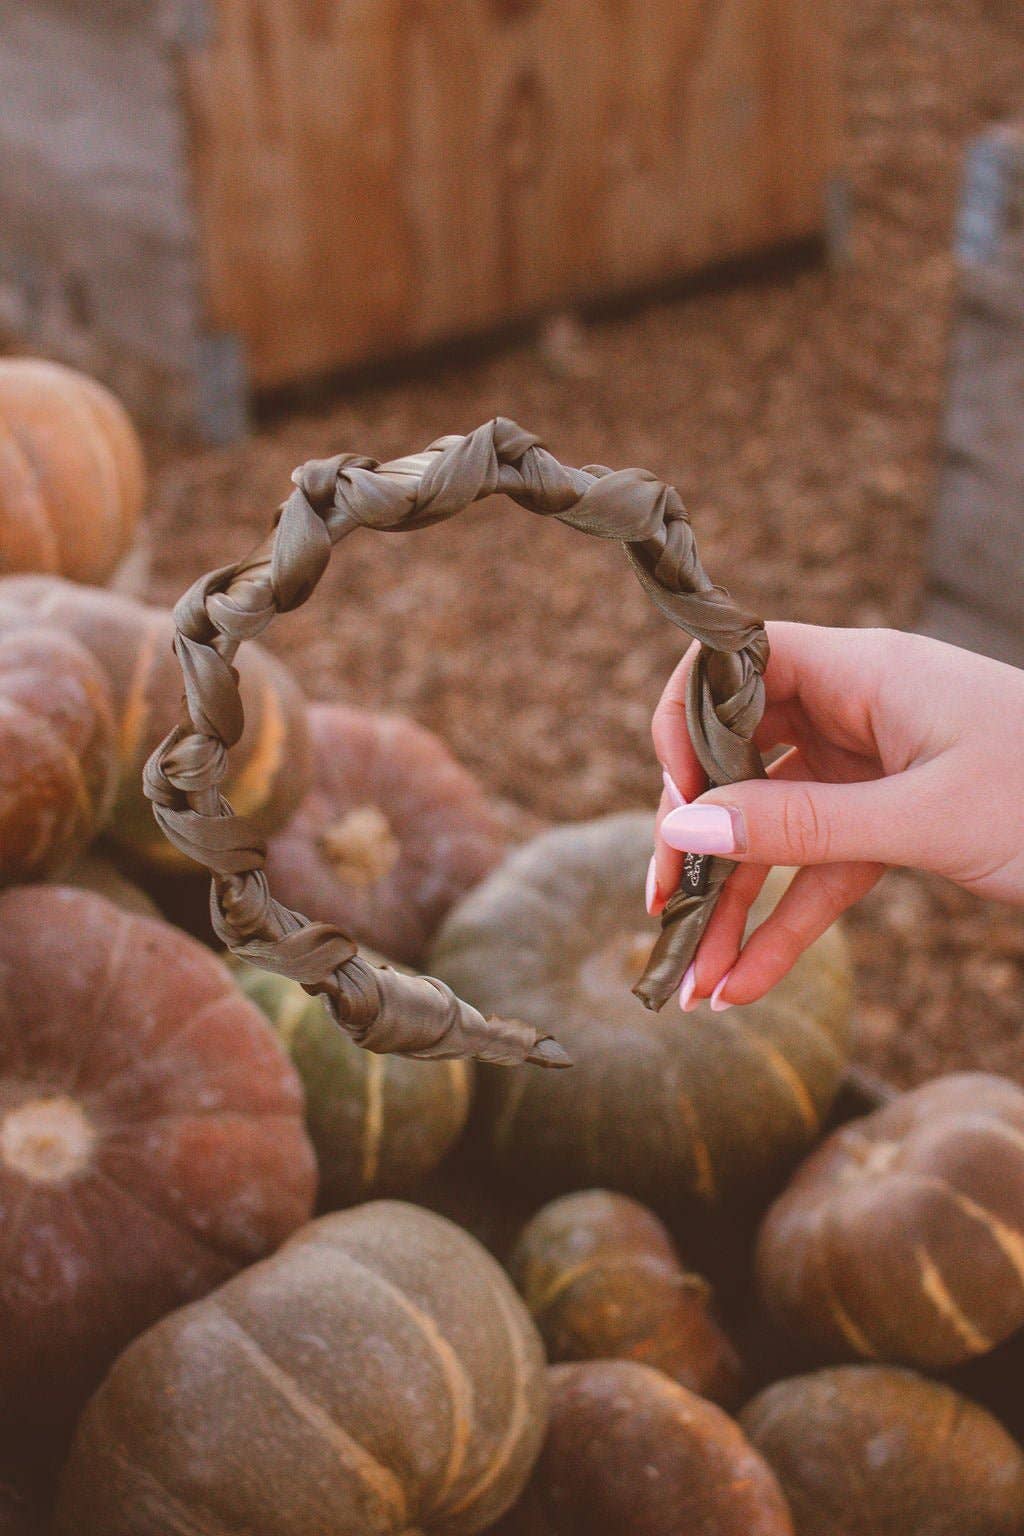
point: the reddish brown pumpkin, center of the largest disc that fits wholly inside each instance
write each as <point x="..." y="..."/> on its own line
<point x="269" y="768"/>
<point x="151" y="1138"/>
<point x="58" y="761"/>
<point x="631" y="1453"/>
<point x="377" y="1377"/>
<point x="602" y="1280"/>
<point x="902" y="1237"/>
<point x="72" y="477"/>
<point x="873" y="1451"/>
<point x="392" y="832"/>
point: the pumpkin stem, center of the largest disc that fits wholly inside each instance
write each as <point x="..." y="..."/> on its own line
<point x="361" y="847"/>
<point x="47" y="1140"/>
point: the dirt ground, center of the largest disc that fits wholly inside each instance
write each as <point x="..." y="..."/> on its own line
<point x="798" y="414"/>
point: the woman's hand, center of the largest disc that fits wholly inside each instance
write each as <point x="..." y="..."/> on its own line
<point x="903" y="751"/>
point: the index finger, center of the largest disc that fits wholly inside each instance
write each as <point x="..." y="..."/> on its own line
<point x="671" y="736"/>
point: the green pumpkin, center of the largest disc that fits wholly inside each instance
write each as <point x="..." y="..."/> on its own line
<point x="378" y="1124"/>
<point x="707" y="1107"/>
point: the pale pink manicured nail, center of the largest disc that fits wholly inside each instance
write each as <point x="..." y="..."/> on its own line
<point x="672" y="789"/>
<point x="652" y="897"/>
<point x="717" y="1005"/>
<point x="704" y="829"/>
<point x="689" y="982"/>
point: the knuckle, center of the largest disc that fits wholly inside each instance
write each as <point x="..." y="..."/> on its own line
<point x="805" y="833"/>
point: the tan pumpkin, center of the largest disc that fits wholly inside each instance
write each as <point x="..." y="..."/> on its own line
<point x="602" y="1280"/>
<point x="392" y="832"/>
<point x="875" y="1451"/>
<point x="131" y="642"/>
<point x="631" y="1453"/>
<point x="151" y="1138"/>
<point x="72" y="476"/>
<point x="378" y="1376"/>
<point x="379" y="1124"/>
<point x="708" y="1107"/>
<point x="902" y="1237"/>
<point x="58" y="759"/>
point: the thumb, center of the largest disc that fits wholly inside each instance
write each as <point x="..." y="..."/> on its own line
<point x="764" y="821"/>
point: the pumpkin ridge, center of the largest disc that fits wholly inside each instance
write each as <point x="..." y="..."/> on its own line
<point x="604" y="1261"/>
<point x="174" y="1510"/>
<point x="135" y="712"/>
<point x="28" y="458"/>
<point x="373" y="1119"/>
<point x="197" y="1015"/>
<point x="163" y="1219"/>
<point x="368" y="1468"/>
<point x="852" y="1332"/>
<point x="502" y="1129"/>
<point x="502" y="1455"/>
<point x="115" y="965"/>
<point x="61" y="749"/>
<point x="705" y="1183"/>
<point x="783" y="1070"/>
<point x="945" y="1303"/>
<point x="460" y="1387"/>
<point x="1010" y="1243"/>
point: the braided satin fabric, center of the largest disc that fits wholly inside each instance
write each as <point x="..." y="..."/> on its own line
<point x="380" y="1008"/>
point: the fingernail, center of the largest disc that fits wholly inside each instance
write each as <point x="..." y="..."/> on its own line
<point x="705" y="829"/>
<point x="672" y="789"/>
<point x="686" y="990"/>
<point x="717" y="1005"/>
<point x="652" y="896"/>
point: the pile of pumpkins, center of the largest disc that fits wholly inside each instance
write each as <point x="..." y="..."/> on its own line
<point x="255" y="1280"/>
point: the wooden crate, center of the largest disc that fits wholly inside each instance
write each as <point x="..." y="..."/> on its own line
<point x="976" y="565"/>
<point x="204" y="197"/>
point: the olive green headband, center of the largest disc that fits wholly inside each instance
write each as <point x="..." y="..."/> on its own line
<point x="380" y="1008"/>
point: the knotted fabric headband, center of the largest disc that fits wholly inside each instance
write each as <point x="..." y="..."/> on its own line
<point x="382" y="1009"/>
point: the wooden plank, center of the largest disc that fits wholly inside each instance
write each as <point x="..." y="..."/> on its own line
<point x="377" y="175"/>
<point x="976" y="559"/>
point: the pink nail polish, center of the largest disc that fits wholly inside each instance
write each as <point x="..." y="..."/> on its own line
<point x="686" y="999"/>
<point x="717" y="1005"/>
<point x="704" y="829"/>
<point x="672" y="789"/>
<point x="652" y="898"/>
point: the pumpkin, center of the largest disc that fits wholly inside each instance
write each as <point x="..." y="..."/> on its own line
<point x="378" y="1375"/>
<point x="391" y="833"/>
<point x="630" y="1452"/>
<point x="270" y="766"/>
<point x="602" y="1280"/>
<point x="711" y="1108"/>
<point x="151" y="1138"/>
<point x="58" y="763"/>
<point x="94" y="872"/>
<point x="72" y="477"/>
<point x="379" y="1124"/>
<point x="870" y="1450"/>
<point x="902" y="1237"/>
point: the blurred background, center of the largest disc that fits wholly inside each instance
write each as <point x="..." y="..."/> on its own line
<point x="764" y="248"/>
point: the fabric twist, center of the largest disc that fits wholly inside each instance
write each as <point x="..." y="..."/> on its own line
<point x="382" y="1009"/>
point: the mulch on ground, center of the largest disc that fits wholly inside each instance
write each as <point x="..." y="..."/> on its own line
<point x="799" y="416"/>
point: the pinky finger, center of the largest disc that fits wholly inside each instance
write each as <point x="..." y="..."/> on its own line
<point x="815" y="897"/>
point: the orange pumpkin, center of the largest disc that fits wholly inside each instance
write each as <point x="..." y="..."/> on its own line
<point x="602" y="1280"/>
<point x="72" y="476"/>
<point x="392" y="832"/>
<point x="270" y="766"/>
<point x="151" y="1138"/>
<point x="631" y="1453"/>
<point x="58" y="761"/>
